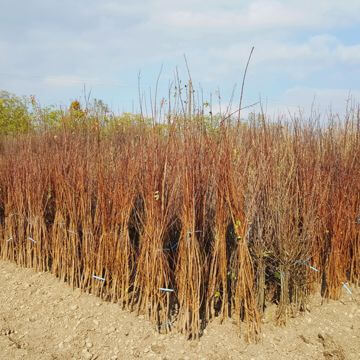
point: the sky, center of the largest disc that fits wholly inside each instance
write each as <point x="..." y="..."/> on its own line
<point x="306" y="53"/>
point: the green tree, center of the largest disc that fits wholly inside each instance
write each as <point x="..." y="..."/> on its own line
<point x="14" y="115"/>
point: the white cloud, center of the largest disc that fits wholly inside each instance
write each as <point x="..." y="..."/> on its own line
<point x="322" y="48"/>
<point x="298" y="61"/>
<point x="64" y="80"/>
<point x="73" y="80"/>
<point x="349" y="54"/>
<point x="259" y="15"/>
<point x="323" y="100"/>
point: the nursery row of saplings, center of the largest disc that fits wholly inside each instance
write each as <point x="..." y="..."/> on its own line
<point x="186" y="222"/>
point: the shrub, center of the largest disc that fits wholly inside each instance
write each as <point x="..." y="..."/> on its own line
<point x="14" y="115"/>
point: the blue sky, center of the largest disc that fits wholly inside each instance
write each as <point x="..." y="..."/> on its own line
<point x="303" y="49"/>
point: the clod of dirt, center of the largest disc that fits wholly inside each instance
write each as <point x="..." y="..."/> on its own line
<point x="157" y="349"/>
<point x="86" y="355"/>
<point x="305" y="339"/>
<point x="332" y="350"/>
<point x="6" y="332"/>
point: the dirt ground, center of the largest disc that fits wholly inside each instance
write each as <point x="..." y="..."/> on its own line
<point x="42" y="318"/>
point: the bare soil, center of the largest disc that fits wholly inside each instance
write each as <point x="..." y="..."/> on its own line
<point x="42" y="318"/>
